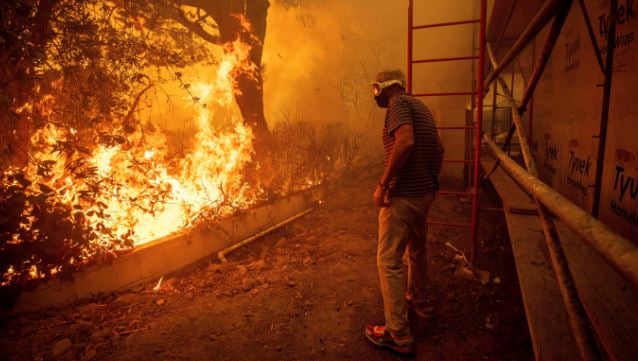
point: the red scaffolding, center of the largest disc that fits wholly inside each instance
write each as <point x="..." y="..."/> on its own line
<point x="476" y="108"/>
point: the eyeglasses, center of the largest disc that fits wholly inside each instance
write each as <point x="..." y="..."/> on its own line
<point x="377" y="87"/>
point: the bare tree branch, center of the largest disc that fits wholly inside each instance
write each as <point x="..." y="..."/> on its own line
<point x="175" y="13"/>
<point x="129" y="115"/>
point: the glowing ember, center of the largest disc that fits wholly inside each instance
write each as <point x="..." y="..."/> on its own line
<point x="158" y="285"/>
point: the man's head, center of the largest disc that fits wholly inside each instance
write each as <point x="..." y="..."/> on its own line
<point x="389" y="82"/>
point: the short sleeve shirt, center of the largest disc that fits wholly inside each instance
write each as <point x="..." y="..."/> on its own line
<point x="419" y="175"/>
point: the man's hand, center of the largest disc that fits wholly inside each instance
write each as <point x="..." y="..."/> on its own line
<point x="381" y="198"/>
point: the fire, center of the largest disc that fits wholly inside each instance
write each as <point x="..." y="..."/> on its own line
<point x="148" y="194"/>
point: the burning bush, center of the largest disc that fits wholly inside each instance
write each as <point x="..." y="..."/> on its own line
<point x="83" y="177"/>
<point x="80" y="175"/>
<point x="40" y="235"/>
<point x="87" y="198"/>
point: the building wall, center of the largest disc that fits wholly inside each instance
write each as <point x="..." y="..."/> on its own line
<point x="567" y="112"/>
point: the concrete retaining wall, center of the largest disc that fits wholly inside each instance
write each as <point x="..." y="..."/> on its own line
<point x="166" y="255"/>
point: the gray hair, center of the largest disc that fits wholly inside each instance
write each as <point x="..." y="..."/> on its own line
<point x="392" y="74"/>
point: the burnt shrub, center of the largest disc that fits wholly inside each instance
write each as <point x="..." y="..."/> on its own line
<point x="304" y="154"/>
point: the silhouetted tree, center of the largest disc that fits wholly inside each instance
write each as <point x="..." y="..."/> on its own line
<point x="46" y="42"/>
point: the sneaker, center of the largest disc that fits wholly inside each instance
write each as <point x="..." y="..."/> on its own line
<point x="379" y="336"/>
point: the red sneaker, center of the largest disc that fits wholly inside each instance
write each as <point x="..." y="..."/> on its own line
<point x="379" y="336"/>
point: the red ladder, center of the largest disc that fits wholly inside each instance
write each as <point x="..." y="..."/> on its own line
<point x="477" y="103"/>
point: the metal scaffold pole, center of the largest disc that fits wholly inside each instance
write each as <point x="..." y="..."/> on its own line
<point x="408" y="86"/>
<point x="479" y="130"/>
<point x="604" y="117"/>
<point x="575" y="312"/>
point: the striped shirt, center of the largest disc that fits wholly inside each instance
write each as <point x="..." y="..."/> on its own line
<point x="419" y="175"/>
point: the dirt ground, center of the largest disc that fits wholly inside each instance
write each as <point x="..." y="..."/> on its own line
<point x="303" y="292"/>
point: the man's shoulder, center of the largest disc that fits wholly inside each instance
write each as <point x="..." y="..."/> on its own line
<point x="407" y="100"/>
<point x="400" y="102"/>
<point x="403" y="99"/>
<point x="405" y="104"/>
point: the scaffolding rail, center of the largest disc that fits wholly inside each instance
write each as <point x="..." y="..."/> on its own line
<point x="620" y="253"/>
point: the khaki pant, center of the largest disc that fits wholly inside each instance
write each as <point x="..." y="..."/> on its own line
<point x="402" y="225"/>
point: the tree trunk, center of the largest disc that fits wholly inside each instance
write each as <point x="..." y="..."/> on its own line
<point x="251" y="98"/>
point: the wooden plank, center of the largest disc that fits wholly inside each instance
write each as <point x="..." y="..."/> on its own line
<point x="514" y="199"/>
<point x="549" y="329"/>
<point x="547" y="321"/>
<point x="608" y="298"/>
<point x="610" y="301"/>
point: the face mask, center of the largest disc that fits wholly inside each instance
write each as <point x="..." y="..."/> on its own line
<point x="382" y="99"/>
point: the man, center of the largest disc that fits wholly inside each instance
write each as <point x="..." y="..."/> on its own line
<point x="413" y="159"/>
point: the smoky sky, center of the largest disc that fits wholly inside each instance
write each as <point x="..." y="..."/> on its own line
<point x="320" y="57"/>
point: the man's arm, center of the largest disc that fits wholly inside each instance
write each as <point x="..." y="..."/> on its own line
<point x="403" y="144"/>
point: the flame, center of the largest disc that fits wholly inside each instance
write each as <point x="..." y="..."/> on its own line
<point x="148" y="194"/>
<point x="244" y="23"/>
